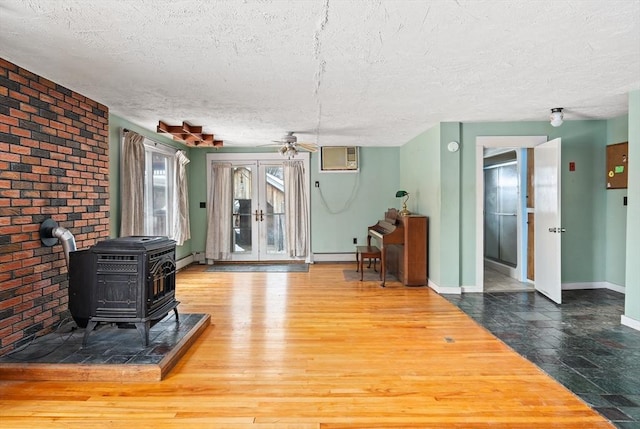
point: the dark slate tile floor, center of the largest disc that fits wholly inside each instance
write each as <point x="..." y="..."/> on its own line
<point x="107" y="344"/>
<point x="580" y="343"/>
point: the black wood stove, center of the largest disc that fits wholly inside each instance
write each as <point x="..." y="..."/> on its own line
<point x="127" y="281"/>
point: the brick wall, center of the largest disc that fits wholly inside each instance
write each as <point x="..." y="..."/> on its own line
<point x="54" y="162"/>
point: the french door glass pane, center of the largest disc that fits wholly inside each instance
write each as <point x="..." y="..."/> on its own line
<point x="242" y="210"/>
<point x="274" y="223"/>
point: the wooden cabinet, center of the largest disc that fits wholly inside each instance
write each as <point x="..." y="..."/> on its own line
<point x="409" y="261"/>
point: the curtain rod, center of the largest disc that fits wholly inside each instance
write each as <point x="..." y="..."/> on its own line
<point x="126" y="130"/>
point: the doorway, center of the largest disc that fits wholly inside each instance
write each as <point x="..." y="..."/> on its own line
<point x="501" y="214"/>
<point x="505" y="268"/>
<point x="258" y="217"/>
<point x="257" y="230"/>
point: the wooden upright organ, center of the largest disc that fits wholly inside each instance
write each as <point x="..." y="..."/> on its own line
<point x="403" y="244"/>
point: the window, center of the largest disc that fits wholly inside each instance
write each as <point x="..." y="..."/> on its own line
<point x="159" y="188"/>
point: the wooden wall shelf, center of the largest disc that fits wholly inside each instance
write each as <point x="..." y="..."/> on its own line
<point x="191" y="135"/>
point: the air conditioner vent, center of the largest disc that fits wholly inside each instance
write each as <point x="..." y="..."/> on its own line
<point x="339" y="158"/>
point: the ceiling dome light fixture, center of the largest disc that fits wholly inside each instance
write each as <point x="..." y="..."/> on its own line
<point x="557" y="117"/>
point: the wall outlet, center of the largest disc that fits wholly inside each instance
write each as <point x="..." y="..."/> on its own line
<point x="355" y="240"/>
<point x="317" y="184"/>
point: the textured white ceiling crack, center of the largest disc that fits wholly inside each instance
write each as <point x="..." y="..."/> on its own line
<point x="354" y="73"/>
<point x="317" y="52"/>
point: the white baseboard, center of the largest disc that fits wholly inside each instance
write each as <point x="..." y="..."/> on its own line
<point x="508" y="271"/>
<point x="628" y="321"/>
<point x="615" y="287"/>
<point x="583" y="285"/>
<point x="593" y="285"/>
<point x="471" y="289"/>
<point x="335" y="257"/>
<point x="184" y="262"/>
<point x="444" y="290"/>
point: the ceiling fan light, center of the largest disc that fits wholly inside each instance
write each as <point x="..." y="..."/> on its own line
<point x="557" y="117"/>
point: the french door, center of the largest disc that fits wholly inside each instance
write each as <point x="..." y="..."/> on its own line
<point x="246" y="218"/>
<point x="258" y="211"/>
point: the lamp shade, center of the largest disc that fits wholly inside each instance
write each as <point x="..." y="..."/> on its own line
<point x="404" y="194"/>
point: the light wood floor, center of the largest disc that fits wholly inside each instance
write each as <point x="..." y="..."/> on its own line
<point x="311" y="350"/>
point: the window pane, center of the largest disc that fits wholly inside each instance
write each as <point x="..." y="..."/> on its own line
<point x="275" y="209"/>
<point x="160" y="196"/>
<point x="159" y="179"/>
<point x="242" y="201"/>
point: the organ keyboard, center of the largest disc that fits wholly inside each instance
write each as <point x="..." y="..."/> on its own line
<point x="403" y="246"/>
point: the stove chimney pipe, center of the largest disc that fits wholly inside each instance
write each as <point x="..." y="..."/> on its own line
<point x="51" y="233"/>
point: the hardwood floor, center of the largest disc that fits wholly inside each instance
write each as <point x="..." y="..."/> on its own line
<point x="311" y="350"/>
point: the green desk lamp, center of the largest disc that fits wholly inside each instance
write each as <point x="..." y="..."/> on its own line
<point x="404" y="210"/>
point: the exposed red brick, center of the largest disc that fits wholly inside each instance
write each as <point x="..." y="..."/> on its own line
<point x="11" y="339"/>
<point x="30" y="143"/>
<point x="9" y="120"/>
<point x="19" y="114"/>
<point x="29" y="270"/>
<point x="6" y="324"/>
<point x="18" y="96"/>
<point x="11" y="302"/>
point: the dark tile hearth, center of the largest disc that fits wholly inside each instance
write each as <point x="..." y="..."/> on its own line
<point x="580" y="343"/>
<point x="111" y="349"/>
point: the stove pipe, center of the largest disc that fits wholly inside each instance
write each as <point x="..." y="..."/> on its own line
<point x="51" y="233"/>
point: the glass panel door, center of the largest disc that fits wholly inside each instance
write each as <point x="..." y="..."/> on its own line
<point x="258" y="226"/>
<point x="272" y="224"/>
<point x="242" y="225"/>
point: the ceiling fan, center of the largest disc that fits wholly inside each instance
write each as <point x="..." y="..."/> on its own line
<point x="289" y="145"/>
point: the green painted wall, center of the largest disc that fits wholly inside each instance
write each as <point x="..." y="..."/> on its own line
<point x="336" y="223"/>
<point x="420" y="176"/>
<point x="583" y="195"/>
<point x="450" y="210"/>
<point x="632" y="298"/>
<point x="332" y="228"/>
<point x="616" y="212"/>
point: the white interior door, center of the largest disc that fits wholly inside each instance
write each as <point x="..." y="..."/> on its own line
<point x="547" y="214"/>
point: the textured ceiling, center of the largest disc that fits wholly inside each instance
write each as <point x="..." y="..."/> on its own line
<point x="340" y="72"/>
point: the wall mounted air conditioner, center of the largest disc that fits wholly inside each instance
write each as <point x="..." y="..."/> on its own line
<point x="339" y="159"/>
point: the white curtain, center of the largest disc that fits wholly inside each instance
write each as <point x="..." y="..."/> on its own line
<point x="296" y="210"/>
<point x="132" y="189"/>
<point x="219" y="210"/>
<point x="181" y="227"/>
